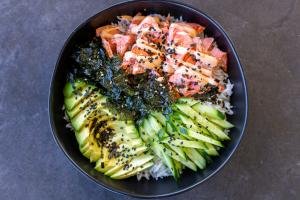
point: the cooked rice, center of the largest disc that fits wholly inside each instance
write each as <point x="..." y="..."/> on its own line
<point x="158" y="170"/>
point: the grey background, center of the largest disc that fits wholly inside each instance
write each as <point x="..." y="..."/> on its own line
<point x="266" y="35"/>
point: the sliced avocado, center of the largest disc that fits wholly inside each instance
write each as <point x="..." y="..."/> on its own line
<point x="132" y="165"/>
<point x="135" y="171"/>
<point x="117" y="166"/>
<point x="83" y="104"/>
<point x="133" y="152"/>
<point x="81" y="118"/>
<point x="125" y="128"/>
<point x="130" y="143"/>
<point x="87" y="153"/>
<point x="82" y="135"/>
<point x="102" y="165"/>
<point x="71" y="88"/>
<point x="95" y="155"/>
<point x="78" y="97"/>
<point x="84" y="148"/>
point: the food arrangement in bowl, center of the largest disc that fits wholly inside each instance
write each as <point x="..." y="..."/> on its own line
<point x="151" y="91"/>
<point x="148" y="96"/>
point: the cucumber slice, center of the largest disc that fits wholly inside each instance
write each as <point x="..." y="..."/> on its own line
<point x="211" y="150"/>
<point x="186" y="162"/>
<point x="184" y="143"/>
<point x="160" y="117"/>
<point x="178" y="150"/>
<point x="202" y="121"/>
<point x="188" y="122"/>
<point x="156" y="127"/>
<point x="222" y="123"/>
<point x="196" y="157"/>
<point x="204" y="138"/>
<point x="146" y="138"/>
<point x="208" y="111"/>
<point x="159" y="150"/>
<point x="188" y="101"/>
<point x="178" y="166"/>
<point x="148" y="129"/>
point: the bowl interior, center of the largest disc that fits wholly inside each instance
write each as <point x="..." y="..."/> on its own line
<point x="144" y="188"/>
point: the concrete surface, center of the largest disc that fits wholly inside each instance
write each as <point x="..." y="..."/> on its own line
<point x="266" y="34"/>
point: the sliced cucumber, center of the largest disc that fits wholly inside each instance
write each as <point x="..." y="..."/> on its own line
<point x="148" y="129"/>
<point x="209" y="111"/>
<point x="186" y="162"/>
<point x="188" y="101"/>
<point x="159" y="150"/>
<point x="196" y="157"/>
<point x="184" y="143"/>
<point x="156" y="127"/>
<point x="202" y="121"/>
<point x="160" y="117"/>
<point x="204" y="138"/>
<point x="222" y="123"/>
<point x="211" y="150"/>
<point x="178" y="150"/>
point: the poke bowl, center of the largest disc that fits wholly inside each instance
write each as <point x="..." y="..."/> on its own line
<point x="148" y="98"/>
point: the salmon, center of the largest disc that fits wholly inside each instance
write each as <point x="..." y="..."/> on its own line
<point x="107" y="47"/>
<point x="114" y="41"/>
<point x="177" y="49"/>
<point x="122" y="43"/>
<point x="221" y="56"/>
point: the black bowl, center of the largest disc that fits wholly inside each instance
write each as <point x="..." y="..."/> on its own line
<point x="152" y="188"/>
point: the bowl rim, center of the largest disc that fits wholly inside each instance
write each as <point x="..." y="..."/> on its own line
<point x="132" y="194"/>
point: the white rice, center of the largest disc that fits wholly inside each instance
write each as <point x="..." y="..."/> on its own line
<point x="158" y="170"/>
<point x="223" y="99"/>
